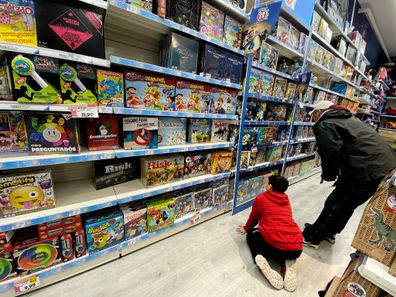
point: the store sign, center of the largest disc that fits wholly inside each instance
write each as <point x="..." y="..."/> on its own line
<point x="303" y="9"/>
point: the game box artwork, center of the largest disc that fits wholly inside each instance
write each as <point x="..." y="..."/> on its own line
<point x="220" y="196"/>
<point x="146" y="91"/>
<point x="158" y="170"/>
<point x="212" y="21"/>
<point x="110" y="88"/>
<point x="220" y="130"/>
<point x="184" y="205"/>
<point x="184" y="12"/>
<point x="52" y="133"/>
<point x="12" y="132"/>
<point x="140" y="133"/>
<point x="25" y="193"/>
<point x="268" y="55"/>
<point x="160" y="214"/>
<point x="196" y="164"/>
<point x="221" y="161"/>
<point x="223" y="101"/>
<point x="232" y="32"/>
<point x="233" y="70"/>
<point x="135" y="219"/>
<point x="276" y="112"/>
<point x="102" y="133"/>
<point x="172" y="131"/>
<point x="199" y="130"/>
<point x="189" y="97"/>
<point x="203" y="198"/>
<point x="213" y="61"/>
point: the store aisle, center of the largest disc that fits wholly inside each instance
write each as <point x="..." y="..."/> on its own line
<point x="212" y="260"/>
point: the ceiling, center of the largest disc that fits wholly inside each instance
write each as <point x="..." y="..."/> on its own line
<point x="384" y="13"/>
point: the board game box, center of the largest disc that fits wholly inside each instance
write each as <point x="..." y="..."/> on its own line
<point x="140" y="133"/>
<point x="261" y="82"/>
<point x="102" y="132"/>
<point x="196" y="164"/>
<point x="273" y="154"/>
<point x="110" y="88"/>
<point x="233" y="71"/>
<point x="135" y="219"/>
<point x="184" y="205"/>
<point x="266" y="135"/>
<point x="143" y="4"/>
<point x="294" y="37"/>
<point x="211" y="21"/>
<point x="190" y="97"/>
<point x="160" y="214"/>
<point x="219" y="130"/>
<point x="5" y="78"/>
<point x="223" y="101"/>
<point x="291" y="91"/>
<point x="280" y="88"/>
<point x="232" y="32"/>
<point x="172" y="131"/>
<point x="12" y="132"/>
<point x="268" y="55"/>
<point x="276" y="112"/>
<point x="157" y="170"/>
<point x="283" y="30"/>
<point x="199" y="130"/>
<point x="203" y="198"/>
<point x="221" y="161"/>
<point x="213" y="61"/>
<point x="184" y="12"/>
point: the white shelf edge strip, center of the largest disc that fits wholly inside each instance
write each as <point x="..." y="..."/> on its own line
<point x="273" y="71"/>
<point x="269" y="98"/>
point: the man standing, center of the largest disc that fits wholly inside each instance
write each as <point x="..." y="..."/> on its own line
<point x="353" y="154"/>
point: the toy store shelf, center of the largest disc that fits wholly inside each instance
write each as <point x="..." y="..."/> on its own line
<point x="173" y="149"/>
<point x="299" y="157"/>
<point x="332" y="92"/>
<point x="309" y="105"/>
<point x="390" y="98"/>
<point x="23" y="49"/>
<point x="172" y="72"/>
<point x="262" y="166"/>
<point x="134" y="18"/>
<point x="243" y="205"/>
<point x="303" y="140"/>
<point x="177" y="114"/>
<point x="72" y="198"/>
<point x="285" y="10"/>
<point x="384" y="85"/>
<point x="229" y="8"/>
<point x="285" y="49"/>
<point x="273" y="71"/>
<point x="388" y="129"/>
<point x="388" y="116"/>
<point x="309" y="173"/>
<point x="378" y="274"/>
<point x="303" y="123"/>
<point x="23" y="160"/>
<point x="97" y="3"/>
<point x="266" y="123"/>
<point x="269" y="98"/>
<point x="134" y="190"/>
<point x="273" y="144"/>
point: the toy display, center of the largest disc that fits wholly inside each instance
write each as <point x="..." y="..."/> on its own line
<point x="190" y="97"/>
<point x="294" y="39"/>
<point x="5" y="78"/>
<point x="12" y="132"/>
<point x="303" y="42"/>
<point x="220" y="129"/>
<point x="110" y="88"/>
<point x="280" y="88"/>
<point x="203" y="198"/>
<point x="212" y="21"/>
<point x="160" y="214"/>
<point x="18" y="22"/>
<point x="184" y="12"/>
<point x="273" y="154"/>
<point x="102" y="133"/>
<point x="68" y="28"/>
<point x="313" y="49"/>
<point x="213" y="61"/>
<point x="249" y="138"/>
<point x="144" y="4"/>
<point x="283" y="30"/>
<point x="52" y="133"/>
<point x="233" y="70"/>
<point x="223" y="101"/>
<point x="315" y="21"/>
<point x="276" y="112"/>
<point x="172" y="131"/>
<point x="184" y="205"/>
<point x="140" y="133"/>
<point x="78" y="85"/>
<point x="232" y="32"/>
<point x="158" y="170"/>
<point x="115" y="171"/>
<point x="196" y="164"/>
<point x="135" y="220"/>
<point x="7" y="264"/>
<point x="266" y="135"/>
<point x="268" y="55"/>
<point x="291" y="91"/>
<point x="221" y="161"/>
<point x="199" y="130"/>
<point x="260" y="82"/>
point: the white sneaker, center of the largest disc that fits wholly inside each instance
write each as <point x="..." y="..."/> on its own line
<point x="290" y="281"/>
<point x="274" y="278"/>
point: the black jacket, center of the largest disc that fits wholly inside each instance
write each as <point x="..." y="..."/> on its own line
<point x="351" y="150"/>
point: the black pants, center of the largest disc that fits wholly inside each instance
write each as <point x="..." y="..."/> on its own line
<point x="258" y="246"/>
<point x="338" y="209"/>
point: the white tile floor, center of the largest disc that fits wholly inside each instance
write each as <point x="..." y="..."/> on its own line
<point x="212" y="260"/>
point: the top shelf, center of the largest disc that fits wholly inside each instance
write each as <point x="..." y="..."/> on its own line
<point x="232" y="10"/>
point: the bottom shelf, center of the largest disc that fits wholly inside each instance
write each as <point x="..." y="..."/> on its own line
<point x="309" y="173"/>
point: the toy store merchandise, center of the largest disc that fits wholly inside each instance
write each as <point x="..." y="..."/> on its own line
<point x="158" y="170"/>
<point x="223" y="101"/>
<point x="220" y="130"/>
<point x="220" y="196"/>
<point x="233" y="70"/>
<point x="7" y="263"/>
<point x="104" y="229"/>
<point x="268" y="55"/>
<point x="143" y="4"/>
<point x="261" y="82"/>
<point x="135" y="219"/>
<point x="276" y="112"/>
<point x="102" y="133"/>
<point x="273" y="154"/>
<point x="110" y="88"/>
<point x="232" y="32"/>
<point x="172" y="131"/>
<point x="196" y="164"/>
<point x="184" y="12"/>
<point x="12" y="132"/>
<point x="160" y="214"/>
<point x="280" y="88"/>
<point x="203" y="198"/>
<point x="221" y="161"/>
<point x="5" y="78"/>
<point x="199" y="130"/>
<point x="140" y="133"/>
<point x="146" y="91"/>
<point x="191" y="97"/>
<point x="211" y="21"/>
<point x="283" y="30"/>
<point x="25" y="193"/>
<point x="184" y="204"/>
<point x="52" y="133"/>
<point x="213" y="62"/>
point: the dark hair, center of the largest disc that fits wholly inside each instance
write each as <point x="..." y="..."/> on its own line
<point x="278" y="183"/>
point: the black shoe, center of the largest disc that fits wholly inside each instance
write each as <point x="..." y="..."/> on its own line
<point x="311" y="243"/>
<point x="330" y="239"/>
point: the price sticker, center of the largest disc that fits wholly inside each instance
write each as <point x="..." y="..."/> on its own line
<point x="27" y="284"/>
<point x="84" y="112"/>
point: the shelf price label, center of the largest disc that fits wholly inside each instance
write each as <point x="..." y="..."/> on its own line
<point x="84" y="112"/>
<point x="27" y="284"/>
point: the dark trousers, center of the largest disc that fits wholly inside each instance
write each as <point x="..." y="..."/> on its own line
<point x="258" y="246"/>
<point x="338" y="209"/>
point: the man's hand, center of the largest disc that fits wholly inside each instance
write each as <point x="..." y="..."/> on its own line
<point x="241" y="230"/>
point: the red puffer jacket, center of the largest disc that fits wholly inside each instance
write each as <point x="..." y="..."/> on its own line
<point x="273" y="214"/>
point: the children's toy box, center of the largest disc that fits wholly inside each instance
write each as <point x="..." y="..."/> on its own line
<point x="143" y="4"/>
<point x="220" y="130"/>
<point x="160" y="214"/>
<point x="276" y="112"/>
<point x="163" y="169"/>
<point x="184" y="205"/>
<point x="268" y="55"/>
<point x="110" y="88"/>
<point x="12" y="132"/>
<point x="233" y="71"/>
<point x="212" y="21"/>
<point x="102" y="133"/>
<point x="184" y="12"/>
<point x="283" y="30"/>
<point x="213" y="61"/>
<point x="172" y="131"/>
<point x="189" y="96"/>
<point x="196" y="164"/>
<point x="135" y="219"/>
<point x="223" y="101"/>
<point x="203" y="198"/>
<point x="280" y="88"/>
<point x="220" y="196"/>
<point x="7" y="262"/>
<point x="199" y="130"/>
<point x="232" y="32"/>
<point x="221" y="161"/>
<point x="140" y="133"/>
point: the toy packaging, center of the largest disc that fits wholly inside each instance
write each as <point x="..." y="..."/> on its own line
<point x="143" y="4"/>
<point x="34" y="79"/>
<point x="309" y="95"/>
<point x="220" y="129"/>
<point x="184" y="12"/>
<point x="115" y="171"/>
<point x="158" y="170"/>
<point x="213" y="61"/>
<point x="223" y="101"/>
<point x="303" y="42"/>
<point x="104" y="229"/>
<point x="189" y="97"/>
<point x="273" y="154"/>
<point x="319" y="55"/>
<point x="110" y="88"/>
<point x="196" y="164"/>
<point x="160" y="214"/>
<point x="315" y="21"/>
<point x="45" y="233"/>
<point x="7" y="262"/>
<point x="261" y="108"/>
<point x="245" y="158"/>
<point x="52" y="133"/>
<point x="291" y="91"/>
<point x="12" y="132"/>
<point x="268" y="55"/>
<point x="199" y="130"/>
<point x="232" y="32"/>
<point x="179" y="52"/>
<point x="283" y="30"/>
<point x="172" y="131"/>
<point x="221" y="161"/>
<point x="233" y="71"/>
<point x="25" y="193"/>
<point x="280" y="88"/>
<point x="5" y="78"/>
<point x="266" y="135"/>
<point x="68" y="28"/>
<point x="276" y="112"/>
<point x="249" y="138"/>
<point x="203" y="198"/>
<point x="140" y="133"/>
<point x="327" y="58"/>
<point x="102" y="133"/>
<point x="212" y="21"/>
<point x="145" y="91"/>
<point x="313" y="49"/>
<point x="323" y="26"/>
<point x="135" y="219"/>
<point x="18" y="22"/>
<point x="184" y="205"/>
<point x="78" y="85"/>
<point x="294" y="37"/>
<point x="261" y="82"/>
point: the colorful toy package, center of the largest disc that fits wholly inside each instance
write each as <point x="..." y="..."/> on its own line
<point x="232" y="32"/>
<point x="78" y="84"/>
<point x="220" y="129"/>
<point x="135" y="219"/>
<point x="268" y="55"/>
<point x="140" y="133"/>
<point x="102" y="133"/>
<point x="184" y="205"/>
<point x="249" y="138"/>
<point x="7" y="262"/>
<point x="110" y="88"/>
<point x="276" y="112"/>
<point x="280" y="88"/>
<point x="294" y="37"/>
<point x="18" y="22"/>
<point x="261" y="108"/>
<point x="188" y="96"/>
<point x="145" y="91"/>
<point x="5" y="78"/>
<point x="12" y="132"/>
<point x="283" y="30"/>
<point x="212" y="21"/>
<point x="266" y="135"/>
<point x="223" y="101"/>
<point x="203" y="198"/>
<point x="144" y="4"/>
<point x="273" y="154"/>
<point x="196" y="164"/>
<point x="199" y="130"/>
<point x="261" y="82"/>
<point x="172" y="131"/>
<point x="104" y="229"/>
<point x="291" y="91"/>
<point x="25" y="193"/>
<point x="221" y="161"/>
<point x="303" y="42"/>
<point x="184" y="12"/>
<point x="158" y="170"/>
<point x="52" y="133"/>
<point x="160" y="214"/>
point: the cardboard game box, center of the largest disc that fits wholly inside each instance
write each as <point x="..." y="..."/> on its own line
<point x="12" y="132"/>
<point x="221" y="161"/>
<point x="135" y="219"/>
<point x="223" y="101"/>
<point x="196" y="164"/>
<point x="110" y="88"/>
<point x="203" y="198"/>
<point x="102" y="133"/>
<point x="199" y="130"/>
<point x="172" y="131"/>
<point x="189" y="97"/>
<point x="184" y="205"/>
<point x="233" y="71"/>
<point x="211" y="21"/>
<point x="160" y="214"/>
<point x="184" y="12"/>
<point x="220" y="196"/>
<point x="283" y="30"/>
<point x="268" y="55"/>
<point x="143" y="4"/>
<point x="213" y="61"/>
<point x="140" y="133"/>
<point x="232" y="32"/>
<point x="280" y="88"/>
<point x="220" y="129"/>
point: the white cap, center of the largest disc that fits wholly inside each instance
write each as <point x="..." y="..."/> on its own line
<point x="321" y="105"/>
